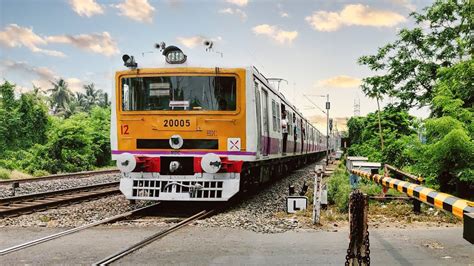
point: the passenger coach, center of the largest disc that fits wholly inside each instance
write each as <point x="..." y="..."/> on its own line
<point x="203" y="134"/>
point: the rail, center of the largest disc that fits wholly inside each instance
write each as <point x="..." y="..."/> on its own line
<point x="73" y="230"/>
<point x="152" y="238"/>
<point x="31" y="202"/>
<point x="59" y="176"/>
<point x="436" y="199"/>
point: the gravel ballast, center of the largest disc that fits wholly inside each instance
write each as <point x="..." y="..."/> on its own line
<point x="57" y="184"/>
<point x="73" y="215"/>
<point x="265" y="211"/>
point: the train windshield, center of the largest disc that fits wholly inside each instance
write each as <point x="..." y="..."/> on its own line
<point x="179" y="93"/>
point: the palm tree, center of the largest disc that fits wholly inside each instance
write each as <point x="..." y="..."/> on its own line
<point x="61" y="96"/>
<point x="92" y="95"/>
<point x="104" y="100"/>
<point x="81" y="100"/>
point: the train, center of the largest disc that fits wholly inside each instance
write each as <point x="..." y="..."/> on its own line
<point x="192" y="133"/>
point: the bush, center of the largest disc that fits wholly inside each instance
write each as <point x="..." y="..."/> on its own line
<point x="40" y="173"/>
<point x="339" y="189"/>
<point x="4" y="173"/>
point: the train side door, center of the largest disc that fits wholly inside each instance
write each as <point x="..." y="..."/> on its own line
<point x="259" y="119"/>
<point x="266" y="124"/>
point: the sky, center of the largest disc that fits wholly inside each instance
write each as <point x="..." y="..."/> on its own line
<point x="313" y="45"/>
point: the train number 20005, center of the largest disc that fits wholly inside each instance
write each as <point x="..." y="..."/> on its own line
<point x="176" y="123"/>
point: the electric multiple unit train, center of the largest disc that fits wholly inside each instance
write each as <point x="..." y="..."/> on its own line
<point x="183" y="133"/>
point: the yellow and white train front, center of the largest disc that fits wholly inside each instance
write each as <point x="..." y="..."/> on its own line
<point x="180" y="133"/>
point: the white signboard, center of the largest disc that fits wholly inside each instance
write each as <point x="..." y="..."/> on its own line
<point x="233" y="144"/>
<point x="296" y="203"/>
<point x="179" y="104"/>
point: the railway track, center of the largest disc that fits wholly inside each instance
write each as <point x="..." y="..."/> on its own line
<point x="60" y="176"/>
<point x="152" y="238"/>
<point x="74" y="230"/>
<point x="122" y="253"/>
<point x="16" y="205"/>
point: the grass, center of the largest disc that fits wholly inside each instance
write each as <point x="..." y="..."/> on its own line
<point x="4" y="173"/>
<point x="19" y="175"/>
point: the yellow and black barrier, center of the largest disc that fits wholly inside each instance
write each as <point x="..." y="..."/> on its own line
<point x="439" y="200"/>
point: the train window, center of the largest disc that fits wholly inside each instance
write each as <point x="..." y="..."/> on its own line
<point x="274" y="116"/>
<point x="278" y="117"/>
<point x="179" y="93"/>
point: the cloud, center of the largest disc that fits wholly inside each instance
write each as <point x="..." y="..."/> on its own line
<point x="340" y="81"/>
<point x="357" y="14"/>
<point x="193" y="41"/>
<point x="234" y="11"/>
<point x="138" y="10"/>
<point x="86" y="8"/>
<point x="41" y="76"/>
<point x="75" y="84"/>
<point x="240" y="3"/>
<point x="274" y="32"/>
<point x="100" y="43"/>
<point x="23" y="68"/>
<point x="17" y="36"/>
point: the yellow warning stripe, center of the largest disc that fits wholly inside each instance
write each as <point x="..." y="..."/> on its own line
<point x="439" y="199"/>
<point x="410" y="189"/>
<point x="401" y="185"/>
<point x="458" y="207"/>
<point x="424" y="193"/>
<point x="392" y="183"/>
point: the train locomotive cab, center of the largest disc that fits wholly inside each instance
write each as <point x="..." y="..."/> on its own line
<point x="179" y="133"/>
<point x="203" y="134"/>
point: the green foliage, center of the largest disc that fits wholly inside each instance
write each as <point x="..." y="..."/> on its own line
<point x="448" y="156"/>
<point x="401" y="152"/>
<point x="61" y="97"/>
<point x="23" y="122"/>
<point x="454" y="95"/>
<point x="442" y="37"/>
<point x="40" y="173"/>
<point x="33" y="141"/>
<point x="4" y="173"/>
<point x="339" y="189"/>
<point x="364" y="134"/>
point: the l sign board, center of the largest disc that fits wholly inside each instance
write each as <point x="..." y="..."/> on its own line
<point x="296" y="203"/>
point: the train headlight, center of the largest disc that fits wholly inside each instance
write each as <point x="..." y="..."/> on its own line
<point x="129" y="61"/>
<point x="126" y="163"/>
<point x="174" y="55"/>
<point x="211" y="163"/>
<point x="176" y="142"/>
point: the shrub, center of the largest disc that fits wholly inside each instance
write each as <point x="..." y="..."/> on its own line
<point x="339" y="189"/>
<point x="40" y="173"/>
<point x="4" y="173"/>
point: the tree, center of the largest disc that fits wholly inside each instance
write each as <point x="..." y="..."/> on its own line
<point x="365" y="139"/>
<point x="407" y="68"/>
<point x="23" y="121"/>
<point x="93" y="95"/>
<point x="454" y="94"/>
<point x="60" y="97"/>
<point x="9" y="118"/>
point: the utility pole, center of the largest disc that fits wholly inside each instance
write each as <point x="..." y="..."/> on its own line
<point x="328" y="106"/>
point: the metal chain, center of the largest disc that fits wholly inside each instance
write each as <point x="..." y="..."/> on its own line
<point x="356" y="202"/>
